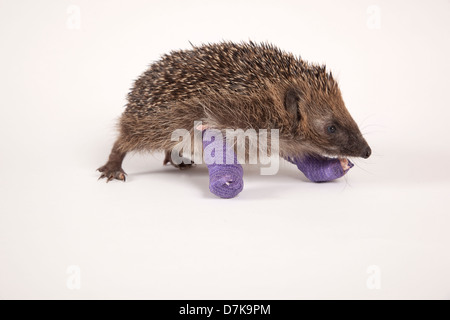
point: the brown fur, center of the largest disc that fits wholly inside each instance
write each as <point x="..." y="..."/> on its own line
<point x="244" y="86"/>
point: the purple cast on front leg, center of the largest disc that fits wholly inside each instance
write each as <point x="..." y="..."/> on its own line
<point x="320" y="169"/>
<point x="225" y="180"/>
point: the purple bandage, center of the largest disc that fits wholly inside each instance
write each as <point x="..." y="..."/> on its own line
<point x="225" y="179"/>
<point x="320" y="169"/>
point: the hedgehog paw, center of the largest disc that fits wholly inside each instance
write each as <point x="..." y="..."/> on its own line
<point x="111" y="173"/>
<point x="182" y="166"/>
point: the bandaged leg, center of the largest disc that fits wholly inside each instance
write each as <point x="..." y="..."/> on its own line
<point x="321" y="169"/>
<point x="225" y="179"/>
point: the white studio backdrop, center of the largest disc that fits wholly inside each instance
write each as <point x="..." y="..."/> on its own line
<point x="379" y="233"/>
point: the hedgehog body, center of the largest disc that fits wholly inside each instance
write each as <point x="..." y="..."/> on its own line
<point x="236" y="86"/>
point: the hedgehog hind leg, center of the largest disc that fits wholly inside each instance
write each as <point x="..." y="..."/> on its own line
<point x="185" y="164"/>
<point x="113" y="168"/>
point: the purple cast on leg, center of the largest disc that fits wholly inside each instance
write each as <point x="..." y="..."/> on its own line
<point x="320" y="169"/>
<point x="225" y="180"/>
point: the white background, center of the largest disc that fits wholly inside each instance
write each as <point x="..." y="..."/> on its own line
<point x="162" y="235"/>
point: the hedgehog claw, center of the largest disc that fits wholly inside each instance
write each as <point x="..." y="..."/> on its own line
<point x="111" y="174"/>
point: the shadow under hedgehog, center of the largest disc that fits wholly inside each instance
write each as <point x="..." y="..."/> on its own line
<point x="240" y="86"/>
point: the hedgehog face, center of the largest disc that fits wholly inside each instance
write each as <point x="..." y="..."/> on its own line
<point x="326" y="126"/>
<point x="339" y="137"/>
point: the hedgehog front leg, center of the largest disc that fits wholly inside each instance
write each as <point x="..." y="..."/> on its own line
<point x="225" y="179"/>
<point x="321" y="169"/>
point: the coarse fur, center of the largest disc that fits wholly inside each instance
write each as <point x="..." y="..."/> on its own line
<point x="236" y="86"/>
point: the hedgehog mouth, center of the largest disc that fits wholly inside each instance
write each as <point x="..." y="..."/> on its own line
<point x="327" y="153"/>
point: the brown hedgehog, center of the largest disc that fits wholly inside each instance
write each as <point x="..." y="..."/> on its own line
<point x="230" y="85"/>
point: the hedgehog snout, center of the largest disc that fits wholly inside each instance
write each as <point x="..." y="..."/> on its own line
<point x="366" y="153"/>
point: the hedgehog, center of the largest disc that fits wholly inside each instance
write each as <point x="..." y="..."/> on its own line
<point x="243" y="85"/>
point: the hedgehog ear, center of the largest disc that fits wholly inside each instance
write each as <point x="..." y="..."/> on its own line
<point x="291" y="103"/>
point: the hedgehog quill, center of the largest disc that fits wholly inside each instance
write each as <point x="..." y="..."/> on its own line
<point x="240" y="86"/>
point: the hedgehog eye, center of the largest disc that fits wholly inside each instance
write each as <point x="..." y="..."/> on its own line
<point x="331" y="129"/>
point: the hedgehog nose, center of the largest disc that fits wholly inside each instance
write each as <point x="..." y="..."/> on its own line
<point x="367" y="152"/>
